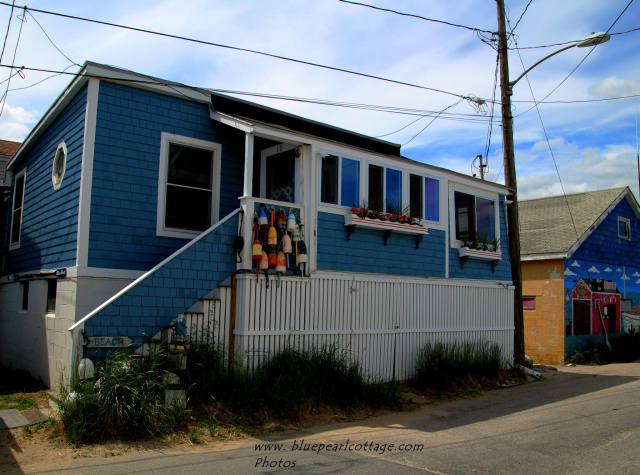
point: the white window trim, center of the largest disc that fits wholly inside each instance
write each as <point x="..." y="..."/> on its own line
<point x="16" y="245"/>
<point x="624" y="220"/>
<point x="323" y="153"/>
<point x="455" y="243"/>
<point x="62" y="148"/>
<point x="424" y="203"/>
<point x="216" y="148"/>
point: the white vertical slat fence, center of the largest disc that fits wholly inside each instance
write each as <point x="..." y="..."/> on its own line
<point x="382" y="322"/>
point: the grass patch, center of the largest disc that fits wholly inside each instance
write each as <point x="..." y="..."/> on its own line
<point x="290" y="382"/>
<point x="125" y="399"/>
<point x="16" y="401"/>
<point x="444" y="363"/>
<point x="625" y="348"/>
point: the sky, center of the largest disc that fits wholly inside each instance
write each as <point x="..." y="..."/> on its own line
<point x="574" y="146"/>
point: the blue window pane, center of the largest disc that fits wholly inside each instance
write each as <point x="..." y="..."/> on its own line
<point x="485" y="218"/>
<point x="394" y="191"/>
<point x="432" y="207"/>
<point x="350" y="183"/>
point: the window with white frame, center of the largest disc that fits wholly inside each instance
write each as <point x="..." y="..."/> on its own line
<point x="339" y="181"/>
<point x="59" y="165"/>
<point x="474" y="217"/>
<point x="624" y="228"/>
<point x="385" y="189"/>
<point x="52" y="291"/>
<point x="17" y="209"/>
<point x="424" y="199"/>
<point x="188" y="185"/>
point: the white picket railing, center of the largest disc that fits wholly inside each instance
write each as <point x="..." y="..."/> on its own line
<point x="381" y="321"/>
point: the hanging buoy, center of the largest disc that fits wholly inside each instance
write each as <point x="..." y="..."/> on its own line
<point x="281" y="266"/>
<point x="302" y="252"/>
<point x="286" y="246"/>
<point x="272" y="256"/>
<point x="296" y="239"/>
<point x="272" y="236"/>
<point x="282" y="220"/>
<point x="291" y="222"/>
<point x="264" y="261"/>
<point x="263" y="221"/>
<point x="256" y="251"/>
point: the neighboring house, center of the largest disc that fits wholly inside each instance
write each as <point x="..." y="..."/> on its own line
<point x="7" y="149"/>
<point x="579" y="254"/>
<point x="130" y="192"/>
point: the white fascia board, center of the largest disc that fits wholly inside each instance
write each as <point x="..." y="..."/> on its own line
<point x="86" y="173"/>
<point x="543" y="257"/>
<point x="103" y="273"/>
<point x="597" y="223"/>
<point x="477" y="186"/>
<point x="52" y="113"/>
<point x="231" y="121"/>
<point x="369" y="277"/>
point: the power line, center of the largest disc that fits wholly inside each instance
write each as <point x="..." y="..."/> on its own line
<point x="583" y="59"/>
<point x="51" y="41"/>
<point x="236" y="48"/>
<point x="518" y="22"/>
<point x="574" y="41"/>
<point x="417" y="16"/>
<point x="432" y="121"/>
<point x="8" y="28"/>
<point x="23" y="20"/>
<point x="471" y="118"/>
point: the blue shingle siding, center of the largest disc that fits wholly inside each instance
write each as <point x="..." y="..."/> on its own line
<point x="477" y="269"/>
<point x="366" y="252"/>
<point x="124" y="202"/>
<point x="50" y="217"/>
<point x="603" y="245"/>
<point x="157" y="300"/>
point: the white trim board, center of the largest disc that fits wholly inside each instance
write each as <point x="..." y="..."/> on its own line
<point x="86" y="173"/>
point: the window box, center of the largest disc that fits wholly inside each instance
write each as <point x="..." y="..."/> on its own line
<point x="465" y="254"/>
<point x="353" y="220"/>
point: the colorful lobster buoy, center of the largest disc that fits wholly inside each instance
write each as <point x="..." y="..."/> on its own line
<point x="272" y="256"/>
<point x="291" y="222"/>
<point x="296" y="239"/>
<point x="256" y="251"/>
<point x="264" y="261"/>
<point x="286" y="246"/>
<point x="272" y="235"/>
<point x="282" y="220"/>
<point x="281" y="266"/>
<point x="263" y="221"/>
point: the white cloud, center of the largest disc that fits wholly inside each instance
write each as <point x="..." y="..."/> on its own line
<point x="16" y="123"/>
<point x="614" y="87"/>
<point x="569" y="272"/>
<point x="594" y="270"/>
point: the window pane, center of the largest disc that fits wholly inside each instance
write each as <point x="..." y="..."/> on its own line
<point x="376" y="200"/>
<point x="15" y="228"/>
<point x="52" y="288"/>
<point x="25" y="295"/>
<point x="17" y="197"/>
<point x="415" y="196"/>
<point x="623" y="229"/>
<point x="394" y="191"/>
<point x="431" y="199"/>
<point x="350" y="183"/>
<point x="329" y="180"/>
<point x="464" y="216"/>
<point x="485" y="217"/>
<point x="190" y="166"/>
<point x="188" y="208"/>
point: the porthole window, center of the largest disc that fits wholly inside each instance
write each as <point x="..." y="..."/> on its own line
<point x="59" y="165"/>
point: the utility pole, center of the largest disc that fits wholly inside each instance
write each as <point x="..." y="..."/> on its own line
<point x="513" y="225"/>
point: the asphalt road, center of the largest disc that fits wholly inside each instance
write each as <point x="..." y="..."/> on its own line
<point x="578" y="420"/>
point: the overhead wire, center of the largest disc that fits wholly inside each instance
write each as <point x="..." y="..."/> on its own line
<point x="236" y="48"/>
<point x="493" y="105"/>
<point x="4" y="44"/>
<point x="591" y="50"/>
<point x="417" y="16"/>
<point x="4" y="97"/>
<point x="432" y="121"/>
<point x="51" y="41"/>
<point x="521" y="15"/>
<point x="574" y="41"/>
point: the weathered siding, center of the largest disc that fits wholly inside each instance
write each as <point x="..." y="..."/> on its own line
<point x="50" y="217"/>
<point x="366" y="252"/>
<point x="124" y="204"/>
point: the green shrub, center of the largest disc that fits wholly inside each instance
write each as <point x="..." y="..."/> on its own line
<point x="124" y="400"/>
<point x="440" y="363"/>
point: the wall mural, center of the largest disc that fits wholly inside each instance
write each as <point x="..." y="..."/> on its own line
<point x="599" y="297"/>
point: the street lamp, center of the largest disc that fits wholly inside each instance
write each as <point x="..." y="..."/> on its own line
<point x="513" y="224"/>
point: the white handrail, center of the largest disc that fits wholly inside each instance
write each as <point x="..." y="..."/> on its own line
<point x="147" y="274"/>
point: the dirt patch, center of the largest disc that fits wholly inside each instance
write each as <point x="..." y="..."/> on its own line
<point x="212" y="427"/>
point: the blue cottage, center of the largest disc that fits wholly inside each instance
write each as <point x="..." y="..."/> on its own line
<point x="134" y="209"/>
